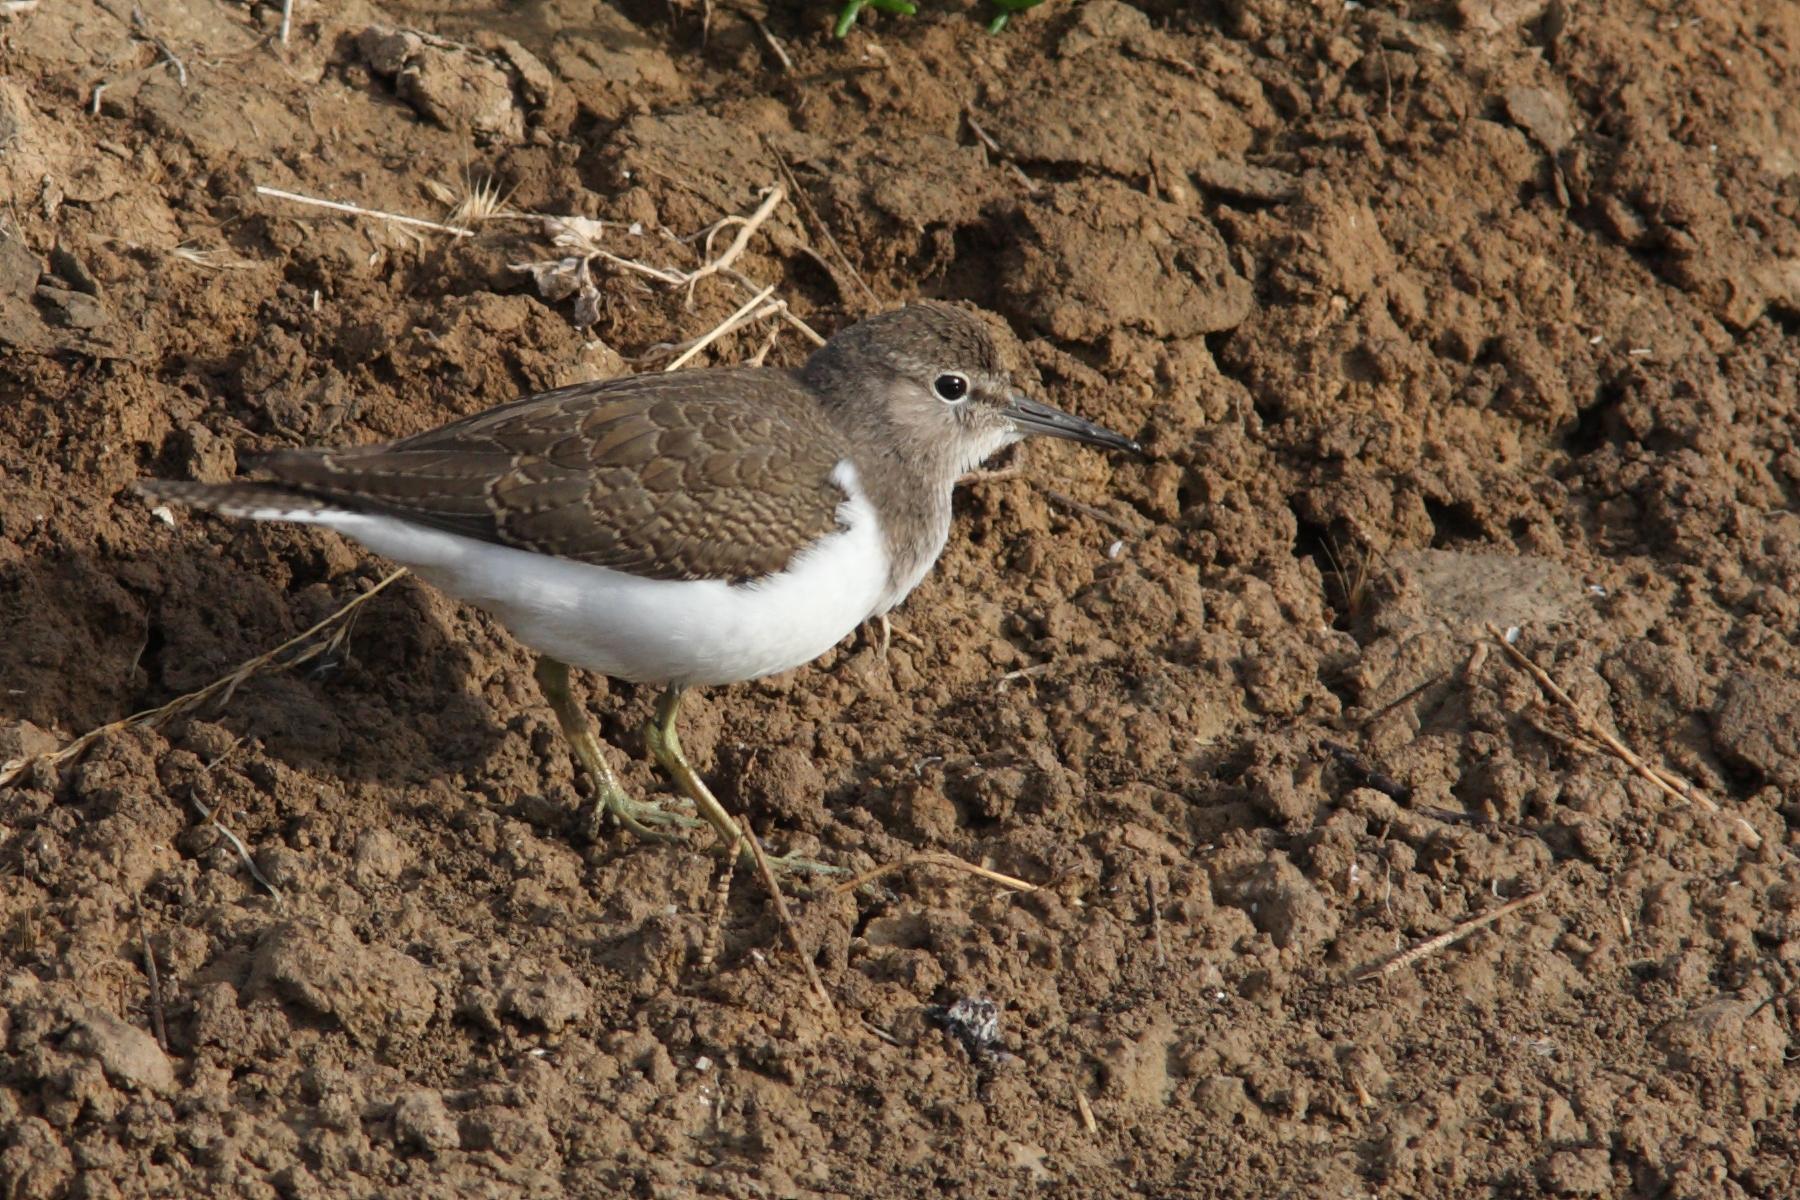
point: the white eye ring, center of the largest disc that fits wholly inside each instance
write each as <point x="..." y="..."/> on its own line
<point x="951" y="387"/>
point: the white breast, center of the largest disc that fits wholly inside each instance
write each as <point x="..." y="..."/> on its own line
<point x="651" y="630"/>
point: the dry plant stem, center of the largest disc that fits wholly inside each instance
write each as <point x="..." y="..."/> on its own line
<point x="1087" y="510"/>
<point x="994" y="475"/>
<point x="1674" y="786"/>
<point x="287" y="19"/>
<point x="762" y="354"/>
<point x="155" y="718"/>
<point x="746" y="313"/>
<point x="358" y="210"/>
<point x="806" y="206"/>
<point x="631" y="264"/>
<point x="981" y="135"/>
<point x="787" y="314"/>
<point x="741" y="242"/>
<point x="933" y="858"/>
<point x="237" y="844"/>
<point x="1449" y="937"/>
<point x="158" y="1024"/>
<point x="775" y="46"/>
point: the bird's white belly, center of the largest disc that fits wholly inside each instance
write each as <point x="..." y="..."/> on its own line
<point x="650" y="630"/>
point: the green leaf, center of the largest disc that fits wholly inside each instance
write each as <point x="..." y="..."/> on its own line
<point x="853" y="8"/>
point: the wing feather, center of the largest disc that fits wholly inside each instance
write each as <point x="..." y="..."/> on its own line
<point x="721" y="474"/>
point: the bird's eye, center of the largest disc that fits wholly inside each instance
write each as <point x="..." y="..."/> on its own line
<point x="950" y="387"/>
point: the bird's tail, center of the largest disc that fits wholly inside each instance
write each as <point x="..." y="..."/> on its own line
<point x="249" y="499"/>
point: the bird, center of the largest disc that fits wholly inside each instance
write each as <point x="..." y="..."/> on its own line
<point x="684" y="529"/>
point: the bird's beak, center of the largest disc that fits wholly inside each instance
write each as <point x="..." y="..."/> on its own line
<point x="1033" y="416"/>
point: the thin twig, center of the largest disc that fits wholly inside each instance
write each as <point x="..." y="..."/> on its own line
<point x="558" y="278"/>
<point x="358" y="210"/>
<point x="660" y="274"/>
<point x="238" y="844"/>
<point x="786" y="919"/>
<point x="994" y="148"/>
<point x="787" y="314"/>
<point x="140" y="29"/>
<point x="762" y="354"/>
<point x="743" y="316"/>
<point x="155" y="718"/>
<point x="992" y="474"/>
<point x="1156" y="934"/>
<point x="932" y="858"/>
<point x="806" y="206"/>
<point x="287" y="19"/>
<point x="773" y="197"/>
<point x="158" y="1024"/>
<point x="1088" y="510"/>
<point x="1673" y="785"/>
<point x="775" y="46"/>
<point x="1449" y="937"/>
<point x="1087" y="1112"/>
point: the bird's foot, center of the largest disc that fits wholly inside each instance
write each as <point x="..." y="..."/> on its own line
<point x="665" y="746"/>
<point x="641" y="818"/>
<point x="610" y="796"/>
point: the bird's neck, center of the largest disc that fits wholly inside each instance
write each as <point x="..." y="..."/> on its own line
<point x="912" y="501"/>
<point x="908" y="478"/>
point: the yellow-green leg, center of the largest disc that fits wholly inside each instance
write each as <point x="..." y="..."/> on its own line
<point x="665" y="747"/>
<point x="610" y="794"/>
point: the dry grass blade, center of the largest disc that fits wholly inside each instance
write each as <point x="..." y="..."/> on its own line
<point x="747" y="227"/>
<point x="290" y="653"/>
<point x="158" y="1022"/>
<point x="210" y="260"/>
<point x="1449" y="937"/>
<point x="482" y="200"/>
<point x="775" y="46"/>
<point x="358" y="210"/>
<point x="806" y="207"/>
<point x="237" y="843"/>
<point x="746" y="313"/>
<point x="782" y="915"/>
<point x="580" y="238"/>
<point x="1670" y="784"/>
<point x="812" y="335"/>
<point x="994" y="148"/>
<point x="932" y="858"/>
<point x="1110" y="520"/>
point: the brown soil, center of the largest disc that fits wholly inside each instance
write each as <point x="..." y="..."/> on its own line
<point x="1432" y="317"/>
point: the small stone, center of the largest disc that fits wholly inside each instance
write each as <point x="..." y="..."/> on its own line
<point x="552" y="998"/>
<point x="129" y="1056"/>
<point x="379" y="858"/>
<point x="423" y="1121"/>
<point x="1578" y="1173"/>
<point x="1221" y="1097"/>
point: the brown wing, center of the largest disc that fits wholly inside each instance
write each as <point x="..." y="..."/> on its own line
<point x="716" y="474"/>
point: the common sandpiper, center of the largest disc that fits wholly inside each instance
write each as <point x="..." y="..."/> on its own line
<point x="682" y="529"/>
